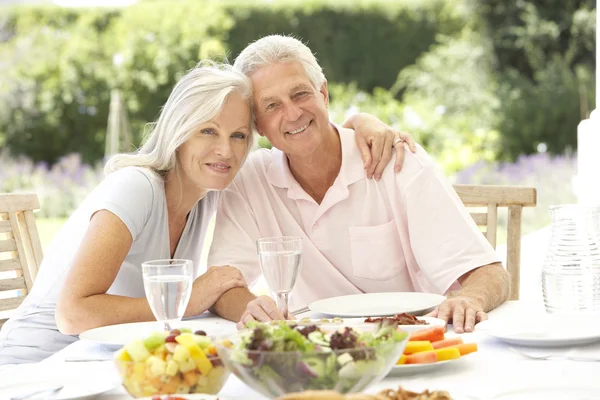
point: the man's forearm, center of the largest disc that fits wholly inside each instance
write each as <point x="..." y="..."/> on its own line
<point x="489" y="284"/>
<point x="232" y="304"/>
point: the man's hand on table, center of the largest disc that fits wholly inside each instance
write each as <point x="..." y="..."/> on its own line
<point x="463" y="311"/>
<point x="261" y="309"/>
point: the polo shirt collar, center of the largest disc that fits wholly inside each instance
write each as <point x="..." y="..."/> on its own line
<point x="351" y="171"/>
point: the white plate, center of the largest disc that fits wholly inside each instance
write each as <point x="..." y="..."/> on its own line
<point x="411" y="369"/>
<point x="431" y="322"/>
<point x="72" y="390"/>
<point x="377" y="304"/>
<point x="119" y="335"/>
<point x="544" y="331"/>
<point x="550" y="392"/>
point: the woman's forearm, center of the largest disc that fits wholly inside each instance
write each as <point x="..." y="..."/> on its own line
<point x="102" y="310"/>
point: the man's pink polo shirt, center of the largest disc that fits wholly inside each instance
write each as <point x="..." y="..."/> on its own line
<point x="407" y="232"/>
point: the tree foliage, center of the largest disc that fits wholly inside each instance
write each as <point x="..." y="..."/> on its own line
<point x="472" y="79"/>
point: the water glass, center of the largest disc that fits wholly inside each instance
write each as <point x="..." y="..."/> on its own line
<point x="280" y="261"/>
<point x="168" y="286"/>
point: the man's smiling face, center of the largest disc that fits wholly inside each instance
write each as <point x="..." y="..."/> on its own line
<point x="289" y="110"/>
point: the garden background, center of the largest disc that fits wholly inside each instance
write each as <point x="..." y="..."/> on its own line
<point x="494" y="90"/>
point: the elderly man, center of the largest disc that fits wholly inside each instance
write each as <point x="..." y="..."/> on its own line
<point x="405" y="232"/>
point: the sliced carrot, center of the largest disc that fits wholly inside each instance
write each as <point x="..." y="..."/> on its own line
<point x="431" y="334"/>
<point x="466" y="348"/>
<point x="447" y="343"/>
<point x="401" y="360"/>
<point x="426" y="357"/>
<point x="447" y="353"/>
<point x="417" y="346"/>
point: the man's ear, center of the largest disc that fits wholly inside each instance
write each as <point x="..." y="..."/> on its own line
<point x="325" y="93"/>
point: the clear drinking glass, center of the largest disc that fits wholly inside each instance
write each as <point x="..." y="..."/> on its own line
<point x="168" y="286"/>
<point x="280" y="261"/>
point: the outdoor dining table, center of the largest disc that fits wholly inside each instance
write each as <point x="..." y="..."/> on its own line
<point x="493" y="369"/>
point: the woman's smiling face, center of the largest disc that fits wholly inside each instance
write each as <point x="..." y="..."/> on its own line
<point x="211" y="158"/>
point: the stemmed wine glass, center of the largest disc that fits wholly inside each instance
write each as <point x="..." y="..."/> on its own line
<point x="280" y="261"/>
<point x="168" y="286"/>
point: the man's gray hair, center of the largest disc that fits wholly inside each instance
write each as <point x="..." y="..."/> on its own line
<point x="275" y="49"/>
<point x="197" y="98"/>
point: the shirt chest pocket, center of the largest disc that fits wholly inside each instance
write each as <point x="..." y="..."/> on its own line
<point x="376" y="252"/>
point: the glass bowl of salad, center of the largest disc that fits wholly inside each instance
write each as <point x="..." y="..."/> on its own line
<point x="176" y="362"/>
<point x="283" y="357"/>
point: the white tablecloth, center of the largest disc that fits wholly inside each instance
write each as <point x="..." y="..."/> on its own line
<point x="493" y="369"/>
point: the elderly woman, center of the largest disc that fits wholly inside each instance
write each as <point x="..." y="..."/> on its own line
<point x="153" y="204"/>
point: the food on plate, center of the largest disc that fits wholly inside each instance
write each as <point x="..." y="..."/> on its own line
<point x="167" y="397"/>
<point x="430" y="346"/>
<point x="417" y="346"/>
<point x="401" y="394"/>
<point x="388" y="394"/>
<point x="400" y="319"/>
<point x="176" y="362"/>
<point x="329" y="395"/>
<point x="440" y="344"/>
<point x="286" y="358"/>
<point x="431" y="334"/>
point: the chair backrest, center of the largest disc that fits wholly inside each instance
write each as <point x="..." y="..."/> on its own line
<point x="491" y="197"/>
<point x="20" y="248"/>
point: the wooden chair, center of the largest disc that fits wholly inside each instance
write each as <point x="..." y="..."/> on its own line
<point x="20" y="249"/>
<point x="492" y="197"/>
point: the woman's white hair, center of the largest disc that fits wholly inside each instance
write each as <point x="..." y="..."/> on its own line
<point x="275" y="49"/>
<point x="197" y="98"/>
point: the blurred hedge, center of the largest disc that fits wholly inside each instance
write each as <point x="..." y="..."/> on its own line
<point x="57" y="68"/>
<point x="545" y="59"/>
<point x="471" y="79"/>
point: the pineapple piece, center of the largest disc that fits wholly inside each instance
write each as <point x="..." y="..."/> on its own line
<point x="139" y="371"/>
<point x="181" y="354"/>
<point x="187" y="366"/>
<point x="172" y="368"/>
<point x="202" y="382"/>
<point x="149" y="390"/>
<point x="182" y="388"/>
<point x="187" y="340"/>
<point x="137" y="350"/>
<point x="157" y="366"/>
<point x="123" y="355"/>
<point x="202" y="362"/>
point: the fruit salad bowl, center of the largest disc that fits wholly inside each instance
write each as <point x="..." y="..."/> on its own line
<point x="175" y="362"/>
<point x="279" y="358"/>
